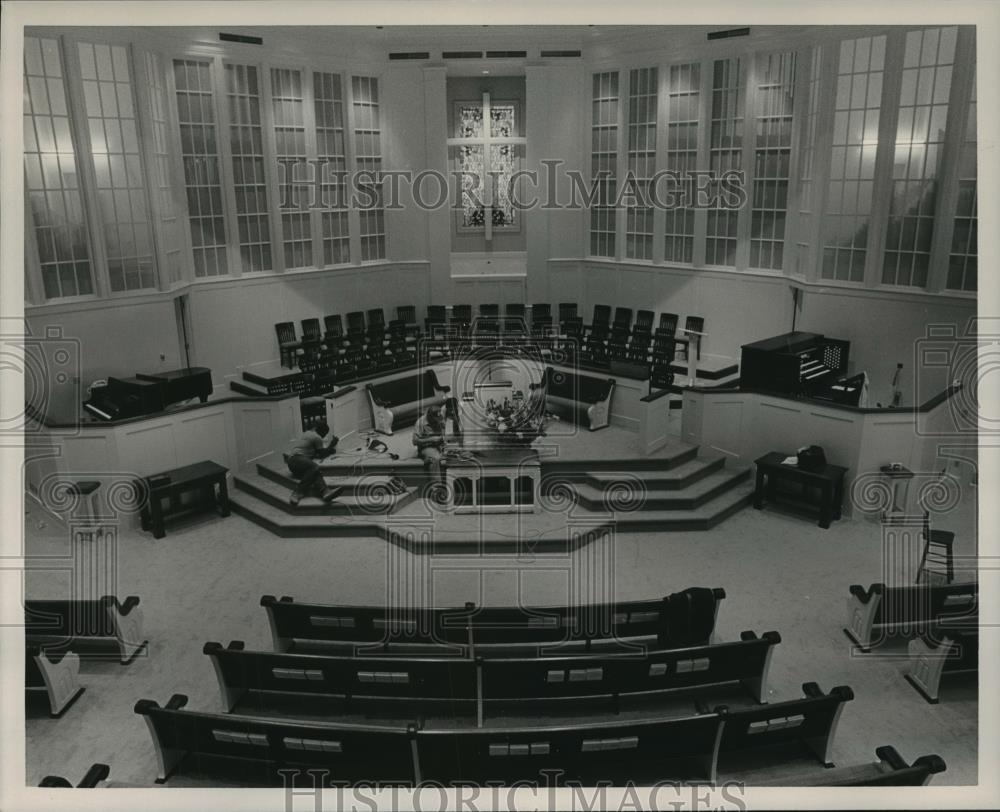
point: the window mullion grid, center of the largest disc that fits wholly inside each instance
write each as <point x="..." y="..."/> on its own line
<point x="660" y="160"/>
<point x="353" y="215"/>
<point x="80" y="134"/>
<point x="621" y="169"/>
<point x="748" y="112"/>
<point x="34" y="292"/>
<point x="822" y="147"/>
<point x="144" y="126"/>
<point x="226" y="174"/>
<point x="884" y="156"/>
<point x="312" y="158"/>
<point x="270" y="149"/>
<point x="704" y="161"/>
<point x="800" y="110"/>
<point x="176" y="161"/>
<point x="947" y="199"/>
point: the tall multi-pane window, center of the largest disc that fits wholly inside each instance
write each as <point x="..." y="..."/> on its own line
<point x="807" y="160"/>
<point x="52" y="176"/>
<point x="200" y="156"/>
<point x="331" y="150"/>
<point x="920" y="132"/>
<point x="250" y="186"/>
<point x="683" y="102"/>
<point x="159" y="169"/>
<point x="775" y="77"/>
<point x="963" y="260"/>
<point x="288" y="106"/>
<point x="604" y="163"/>
<point x="114" y="145"/>
<point x="857" y="108"/>
<point x="642" y="95"/>
<point x="725" y="154"/>
<point x="368" y="158"/>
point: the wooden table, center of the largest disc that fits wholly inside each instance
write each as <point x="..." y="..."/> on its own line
<point x="199" y="477"/>
<point x="498" y="481"/>
<point x="829" y="480"/>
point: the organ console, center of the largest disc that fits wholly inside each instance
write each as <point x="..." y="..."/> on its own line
<point x="795" y="363"/>
<point x="148" y="394"/>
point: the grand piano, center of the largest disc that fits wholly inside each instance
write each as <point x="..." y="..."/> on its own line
<point x="148" y="394"/>
<point x="796" y="363"/>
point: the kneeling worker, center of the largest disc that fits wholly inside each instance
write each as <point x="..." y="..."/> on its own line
<point x="301" y="457"/>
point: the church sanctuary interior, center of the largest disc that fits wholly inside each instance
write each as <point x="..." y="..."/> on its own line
<point x="443" y="404"/>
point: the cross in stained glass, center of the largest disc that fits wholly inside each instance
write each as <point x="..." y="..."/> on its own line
<point x="489" y="154"/>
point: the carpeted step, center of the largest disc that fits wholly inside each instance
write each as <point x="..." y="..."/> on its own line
<point x="636" y="495"/>
<point x="364" y="496"/>
<point x="674" y="478"/>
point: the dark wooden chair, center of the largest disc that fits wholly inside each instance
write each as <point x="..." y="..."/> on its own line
<point x="623" y="319"/>
<point x="693" y="333"/>
<point x="288" y="344"/>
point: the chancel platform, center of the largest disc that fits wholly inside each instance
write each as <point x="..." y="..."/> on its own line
<point x="589" y="484"/>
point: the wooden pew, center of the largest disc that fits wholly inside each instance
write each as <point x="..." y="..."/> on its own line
<point x="682" y="619"/>
<point x="254" y="749"/>
<point x="781" y="730"/>
<point x="745" y="663"/>
<point x="260" y="751"/>
<point x="889" y="771"/>
<point x="577" y="395"/>
<point x="409" y="682"/>
<point x="938" y="654"/>
<point x="881" y="611"/>
<point x="643" y="752"/>
<point x="54" y="674"/>
<point x="401" y="400"/>
<point x="95" y="775"/>
<point x="90" y="627"/>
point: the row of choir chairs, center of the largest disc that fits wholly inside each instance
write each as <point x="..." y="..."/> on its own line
<point x="367" y="343"/>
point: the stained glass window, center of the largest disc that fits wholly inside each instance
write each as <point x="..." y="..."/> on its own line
<point x="481" y="159"/>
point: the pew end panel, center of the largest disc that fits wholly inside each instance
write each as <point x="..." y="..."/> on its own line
<point x="57" y="676"/>
<point x="756" y="685"/>
<point x="168" y="757"/>
<point x="935" y="655"/>
<point x="862" y="608"/>
<point x="127" y="620"/>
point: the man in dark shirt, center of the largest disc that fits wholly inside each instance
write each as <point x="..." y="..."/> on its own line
<point x="301" y="456"/>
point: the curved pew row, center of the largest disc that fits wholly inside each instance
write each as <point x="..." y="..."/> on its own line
<point x="646" y="751"/>
<point x="881" y="612"/>
<point x="298" y="679"/>
<point x="683" y="619"/>
<point x="92" y="627"/>
<point x="256" y="750"/>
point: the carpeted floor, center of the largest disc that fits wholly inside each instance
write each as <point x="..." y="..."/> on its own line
<point x="204" y="580"/>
